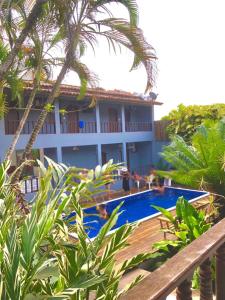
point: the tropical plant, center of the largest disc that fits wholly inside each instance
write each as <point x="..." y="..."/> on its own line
<point x="35" y="9"/>
<point x="85" y="22"/>
<point x="38" y="260"/>
<point x="200" y="164"/>
<point x="185" y="119"/>
<point x="188" y="223"/>
<point x="11" y="80"/>
<point x="37" y="58"/>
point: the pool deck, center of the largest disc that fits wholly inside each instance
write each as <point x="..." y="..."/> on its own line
<point x="142" y="239"/>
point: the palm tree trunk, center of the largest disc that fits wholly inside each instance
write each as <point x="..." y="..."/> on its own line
<point x="11" y="149"/>
<point x="1" y="3"/>
<point x="31" y="21"/>
<point x="40" y="122"/>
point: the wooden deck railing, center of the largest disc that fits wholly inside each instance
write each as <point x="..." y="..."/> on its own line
<point x="177" y="272"/>
<point x="111" y="127"/>
<point x="12" y="125"/>
<point x="138" y="126"/>
<point x="74" y="127"/>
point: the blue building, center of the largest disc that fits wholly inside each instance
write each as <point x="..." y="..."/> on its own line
<point x="105" y="125"/>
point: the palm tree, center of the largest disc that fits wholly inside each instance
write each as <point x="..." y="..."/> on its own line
<point x="38" y="59"/>
<point x="200" y="164"/>
<point x="35" y="10"/>
<point x="83" y="26"/>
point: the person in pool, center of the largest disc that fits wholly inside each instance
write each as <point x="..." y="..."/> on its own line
<point x="160" y="187"/>
<point x="103" y="212"/>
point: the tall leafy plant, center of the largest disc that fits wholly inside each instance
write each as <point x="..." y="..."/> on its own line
<point x="184" y="120"/>
<point x="187" y="224"/>
<point x="35" y="9"/>
<point x="37" y="59"/>
<point x="201" y="163"/>
<point x="38" y="260"/>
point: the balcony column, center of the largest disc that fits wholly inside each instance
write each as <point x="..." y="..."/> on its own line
<point x="123" y="118"/>
<point x="57" y="118"/>
<point x="98" y="118"/>
<point x="99" y="154"/>
<point x="42" y="155"/>
<point x="125" y="153"/>
<point x="59" y="155"/>
<point x="2" y="127"/>
<point x="153" y="154"/>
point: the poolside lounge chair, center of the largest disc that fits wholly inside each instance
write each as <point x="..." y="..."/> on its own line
<point x="166" y="226"/>
<point x="149" y="180"/>
<point x="167" y="182"/>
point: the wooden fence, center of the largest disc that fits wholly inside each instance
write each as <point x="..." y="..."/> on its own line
<point x="161" y="130"/>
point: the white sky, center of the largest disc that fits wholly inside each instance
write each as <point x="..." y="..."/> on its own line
<point x="189" y="39"/>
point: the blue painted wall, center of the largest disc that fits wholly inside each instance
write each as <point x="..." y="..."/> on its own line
<point x="66" y="141"/>
<point x="84" y="157"/>
<point x="158" y="148"/>
<point x="141" y="158"/>
<point x="113" y="151"/>
<point x="51" y="153"/>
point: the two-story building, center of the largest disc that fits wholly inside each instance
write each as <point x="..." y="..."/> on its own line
<point x="104" y="125"/>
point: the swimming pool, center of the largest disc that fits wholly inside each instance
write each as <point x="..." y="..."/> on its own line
<point x="138" y="207"/>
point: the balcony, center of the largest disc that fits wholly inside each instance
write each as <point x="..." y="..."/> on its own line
<point x="11" y="127"/>
<point x="177" y="272"/>
<point x="138" y="126"/>
<point x="78" y="127"/>
<point x="109" y="127"/>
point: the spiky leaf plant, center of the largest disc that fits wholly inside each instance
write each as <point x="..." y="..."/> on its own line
<point x="38" y="260"/>
<point x="201" y="163"/>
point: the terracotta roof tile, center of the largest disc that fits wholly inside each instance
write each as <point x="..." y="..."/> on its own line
<point x="98" y="93"/>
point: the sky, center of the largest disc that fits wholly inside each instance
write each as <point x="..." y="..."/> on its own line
<point x="189" y="40"/>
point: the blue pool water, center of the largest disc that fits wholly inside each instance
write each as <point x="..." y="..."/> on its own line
<point x="136" y="207"/>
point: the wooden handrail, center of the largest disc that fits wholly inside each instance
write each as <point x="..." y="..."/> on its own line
<point x="11" y="127"/>
<point x="138" y="126"/>
<point x="110" y="127"/>
<point x="177" y="271"/>
<point x="74" y="127"/>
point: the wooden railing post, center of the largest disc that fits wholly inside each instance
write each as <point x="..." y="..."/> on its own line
<point x="206" y="281"/>
<point x="220" y="273"/>
<point x="184" y="291"/>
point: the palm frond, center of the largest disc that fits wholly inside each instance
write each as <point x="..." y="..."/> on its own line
<point x="131" y="37"/>
<point x="85" y="75"/>
<point x="201" y="164"/>
<point x="131" y="6"/>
